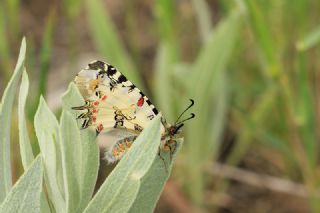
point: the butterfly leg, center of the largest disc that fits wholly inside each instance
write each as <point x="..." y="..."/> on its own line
<point x="85" y="115"/>
<point x="163" y="160"/>
<point x="85" y="123"/>
<point x="171" y="152"/>
<point x="87" y="105"/>
<point x="99" y="128"/>
<point x="171" y="146"/>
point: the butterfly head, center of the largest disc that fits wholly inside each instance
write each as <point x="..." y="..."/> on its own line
<point x="175" y="129"/>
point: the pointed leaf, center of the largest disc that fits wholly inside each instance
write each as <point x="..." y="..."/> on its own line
<point x="5" y="120"/>
<point x="74" y="155"/>
<point x="25" y="195"/>
<point x="120" y="189"/>
<point x="153" y="182"/>
<point x="47" y="131"/>
<point x="24" y="141"/>
<point x="87" y="156"/>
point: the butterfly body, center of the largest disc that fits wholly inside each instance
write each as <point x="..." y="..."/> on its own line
<point x="115" y="106"/>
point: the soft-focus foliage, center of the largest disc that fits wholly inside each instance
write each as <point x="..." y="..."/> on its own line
<point x="251" y="67"/>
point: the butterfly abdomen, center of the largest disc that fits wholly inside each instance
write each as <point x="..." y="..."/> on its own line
<point x="117" y="151"/>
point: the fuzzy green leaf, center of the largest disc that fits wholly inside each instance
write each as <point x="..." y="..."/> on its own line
<point x="80" y="156"/>
<point x="25" y="195"/>
<point x="24" y="141"/>
<point x="70" y="143"/>
<point x="88" y="158"/>
<point x="153" y="182"/>
<point x="47" y="131"/>
<point x="5" y="120"/>
<point x="121" y="188"/>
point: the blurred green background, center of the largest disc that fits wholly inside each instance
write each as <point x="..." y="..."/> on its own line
<point x="252" y="67"/>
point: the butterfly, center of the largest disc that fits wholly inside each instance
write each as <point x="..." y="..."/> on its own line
<point x="115" y="106"/>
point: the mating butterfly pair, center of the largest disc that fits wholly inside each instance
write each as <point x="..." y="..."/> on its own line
<point x="115" y="106"/>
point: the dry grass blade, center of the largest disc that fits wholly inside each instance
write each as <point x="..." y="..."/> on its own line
<point x="262" y="181"/>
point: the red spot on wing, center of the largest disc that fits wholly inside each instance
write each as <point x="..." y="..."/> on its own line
<point x="100" y="127"/>
<point x="94" y="119"/>
<point x="140" y="102"/>
<point x="96" y="103"/>
<point x="94" y="111"/>
<point x="104" y="98"/>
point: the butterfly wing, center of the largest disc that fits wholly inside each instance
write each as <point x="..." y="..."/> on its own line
<point x="114" y="106"/>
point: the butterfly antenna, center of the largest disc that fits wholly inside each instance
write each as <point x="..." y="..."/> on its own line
<point x="192" y="115"/>
<point x="192" y="103"/>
